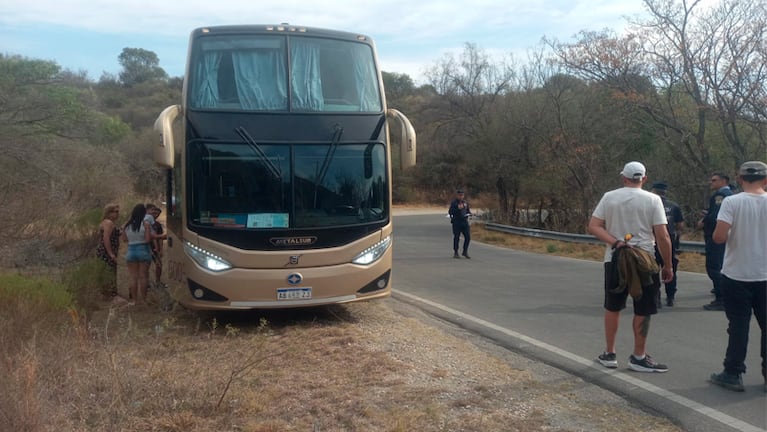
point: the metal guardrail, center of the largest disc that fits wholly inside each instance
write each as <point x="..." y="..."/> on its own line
<point x="685" y="246"/>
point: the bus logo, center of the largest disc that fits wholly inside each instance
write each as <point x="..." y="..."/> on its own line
<point x="295" y="278"/>
<point x="293" y="260"/>
<point x="292" y="241"/>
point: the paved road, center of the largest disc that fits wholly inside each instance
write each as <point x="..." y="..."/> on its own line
<point x="550" y="308"/>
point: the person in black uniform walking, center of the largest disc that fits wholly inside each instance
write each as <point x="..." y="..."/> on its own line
<point x="675" y="227"/>
<point x="719" y="183"/>
<point x="459" y="216"/>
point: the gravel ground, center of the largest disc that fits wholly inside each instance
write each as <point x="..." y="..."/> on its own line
<point x="475" y="377"/>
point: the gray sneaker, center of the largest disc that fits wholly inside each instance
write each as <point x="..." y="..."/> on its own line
<point x="647" y="364"/>
<point x="728" y="381"/>
<point x="608" y="360"/>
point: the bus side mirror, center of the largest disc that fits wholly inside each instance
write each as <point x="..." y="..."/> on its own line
<point x="407" y="138"/>
<point x="164" y="151"/>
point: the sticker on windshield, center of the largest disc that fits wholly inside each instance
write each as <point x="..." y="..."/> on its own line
<point x="267" y="220"/>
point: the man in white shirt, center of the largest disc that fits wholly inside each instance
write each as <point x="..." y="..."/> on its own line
<point x="741" y="224"/>
<point x="635" y="218"/>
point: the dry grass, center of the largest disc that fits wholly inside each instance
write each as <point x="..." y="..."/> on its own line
<point x="359" y="367"/>
<point x="691" y="262"/>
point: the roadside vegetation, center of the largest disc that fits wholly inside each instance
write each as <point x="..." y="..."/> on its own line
<point x="73" y="360"/>
<point x="536" y="144"/>
<point x="690" y="262"/>
<point x="542" y="139"/>
<point x="358" y="367"/>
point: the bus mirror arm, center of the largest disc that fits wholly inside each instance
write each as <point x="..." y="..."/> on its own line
<point x="407" y="138"/>
<point x="165" y="150"/>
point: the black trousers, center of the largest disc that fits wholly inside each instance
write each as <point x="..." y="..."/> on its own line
<point x="741" y="299"/>
<point x="671" y="286"/>
<point x="458" y="229"/>
<point x="714" y="261"/>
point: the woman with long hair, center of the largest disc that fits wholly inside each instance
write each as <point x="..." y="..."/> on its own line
<point x="137" y="233"/>
<point x="109" y="244"/>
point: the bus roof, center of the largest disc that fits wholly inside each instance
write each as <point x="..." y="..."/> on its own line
<point x="278" y="28"/>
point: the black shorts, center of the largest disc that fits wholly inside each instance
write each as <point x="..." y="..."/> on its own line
<point x="615" y="302"/>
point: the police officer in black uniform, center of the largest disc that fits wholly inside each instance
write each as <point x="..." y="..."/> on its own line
<point x="720" y="184"/>
<point x="675" y="227"/>
<point x="459" y="216"/>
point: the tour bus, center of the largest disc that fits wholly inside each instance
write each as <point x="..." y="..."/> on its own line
<point x="279" y="185"/>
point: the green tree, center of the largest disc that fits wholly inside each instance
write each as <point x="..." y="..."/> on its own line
<point x="139" y="66"/>
<point x="49" y="168"/>
<point x="397" y="85"/>
<point x="25" y="87"/>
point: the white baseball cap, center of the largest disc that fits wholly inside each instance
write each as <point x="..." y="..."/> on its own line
<point x="634" y="170"/>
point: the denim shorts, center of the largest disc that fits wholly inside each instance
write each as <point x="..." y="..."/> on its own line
<point x="139" y="252"/>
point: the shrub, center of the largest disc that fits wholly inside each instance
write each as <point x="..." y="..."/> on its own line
<point x="41" y="291"/>
<point x="88" y="282"/>
<point x="29" y="305"/>
<point x="37" y="327"/>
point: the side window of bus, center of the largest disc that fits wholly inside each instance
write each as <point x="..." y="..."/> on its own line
<point x="173" y="202"/>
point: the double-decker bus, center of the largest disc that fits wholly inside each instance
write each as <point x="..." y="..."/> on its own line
<point x="279" y="185"/>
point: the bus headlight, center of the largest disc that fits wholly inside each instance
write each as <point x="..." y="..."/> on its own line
<point x="373" y="253"/>
<point x="206" y="259"/>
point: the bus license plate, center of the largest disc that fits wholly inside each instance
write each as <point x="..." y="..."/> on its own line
<point x="294" y="293"/>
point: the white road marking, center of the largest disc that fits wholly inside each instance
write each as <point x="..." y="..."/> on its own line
<point x="691" y="404"/>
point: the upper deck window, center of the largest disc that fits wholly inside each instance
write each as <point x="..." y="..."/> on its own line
<point x="278" y="73"/>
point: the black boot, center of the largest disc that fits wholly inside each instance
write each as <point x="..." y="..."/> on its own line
<point x="715" y="305"/>
<point x="670" y="301"/>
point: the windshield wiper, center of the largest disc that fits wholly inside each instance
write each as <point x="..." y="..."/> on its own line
<point x="320" y="178"/>
<point x="262" y="157"/>
<point x="330" y="154"/>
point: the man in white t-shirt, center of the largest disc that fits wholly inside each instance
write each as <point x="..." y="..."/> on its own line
<point x="741" y="224"/>
<point x="635" y="218"/>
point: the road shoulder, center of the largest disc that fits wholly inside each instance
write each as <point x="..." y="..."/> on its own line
<point x="473" y="376"/>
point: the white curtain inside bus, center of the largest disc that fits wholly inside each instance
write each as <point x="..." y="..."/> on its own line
<point x="249" y="73"/>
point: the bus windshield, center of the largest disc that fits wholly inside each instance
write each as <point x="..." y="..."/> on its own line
<point x="244" y="185"/>
<point x="283" y="73"/>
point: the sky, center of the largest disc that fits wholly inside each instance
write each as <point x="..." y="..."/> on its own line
<point x="411" y="35"/>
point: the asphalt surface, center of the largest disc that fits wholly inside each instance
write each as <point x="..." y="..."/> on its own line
<point x="550" y="309"/>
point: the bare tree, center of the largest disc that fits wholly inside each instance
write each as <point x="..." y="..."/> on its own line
<point x="706" y="66"/>
<point x="471" y="93"/>
<point x="734" y="67"/>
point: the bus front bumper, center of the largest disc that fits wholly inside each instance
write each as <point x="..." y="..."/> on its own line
<point x="284" y="288"/>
